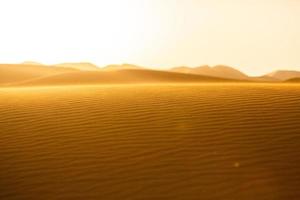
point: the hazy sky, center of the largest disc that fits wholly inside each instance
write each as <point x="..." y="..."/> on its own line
<point x="255" y="36"/>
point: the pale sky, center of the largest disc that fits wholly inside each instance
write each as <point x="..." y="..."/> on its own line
<point x="255" y="36"/>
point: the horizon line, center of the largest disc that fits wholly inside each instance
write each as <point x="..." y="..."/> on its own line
<point x="145" y="67"/>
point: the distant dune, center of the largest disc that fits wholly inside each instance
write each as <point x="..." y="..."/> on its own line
<point x="121" y="76"/>
<point x="33" y="73"/>
<point x="83" y="66"/>
<point x="120" y="67"/>
<point x="221" y="71"/>
<point x="284" y="75"/>
<point x="12" y="73"/>
<point x="293" y="80"/>
<point x="263" y="79"/>
<point x="31" y="63"/>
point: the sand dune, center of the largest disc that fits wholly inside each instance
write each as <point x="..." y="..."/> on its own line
<point x="293" y="80"/>
<point x="83" y="66"/>
<point x="31" y="63"/>
<point x="205" y="141"/>
<point x="12" y="73"/>
<point x="121" y="76"/>
<point x="65" y="74"/>
<point x="120" y="67"/>
<point x="264" y="79"/>
<point x="284" y="75"/>
<point x="31" y="73"/>
<point x="216" y="71"/>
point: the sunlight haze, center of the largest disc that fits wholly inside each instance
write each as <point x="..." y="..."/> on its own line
<point x="150" y="99"/>
<point x="253" y="36"/>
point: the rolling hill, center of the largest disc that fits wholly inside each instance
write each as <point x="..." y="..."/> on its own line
<point x="13" y="73"/>
<point x="31" y="73"/>
<point x="221" y="71"/>
<point x="284" y="74"/>
<point x="120" y="67"/>
<point x="120" y="77"/>
<point x="83" y="66"/>
<point x="293" y="80"/>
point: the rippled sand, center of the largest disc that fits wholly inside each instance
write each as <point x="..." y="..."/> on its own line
<point x="209" y="141"/>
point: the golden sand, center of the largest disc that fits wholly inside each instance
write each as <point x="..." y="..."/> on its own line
<point x="209" y="141"/>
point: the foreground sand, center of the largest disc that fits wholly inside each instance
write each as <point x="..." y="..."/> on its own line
<point x="208" y="141"/>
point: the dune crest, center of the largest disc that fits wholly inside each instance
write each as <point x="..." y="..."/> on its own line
<point x="121" y="77"/>
<point x="83" y="66"/>
<point x="120" y="67"/>
<point x="293" y="80"/>
<point x="13" y="73"/>
<point x="33" y="73"/>
<point x="216" y="71"/>
<point x="31" y="63"/>
<point x="284" y="74"/>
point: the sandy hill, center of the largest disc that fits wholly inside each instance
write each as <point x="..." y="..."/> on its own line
<point x="284" y="75"/>
<point x="31" y="63"/>
<point x="86" y="73"/>
<point x="293" y="80"/>
<point x="83" y="66"/>
<point x="120" y="67"/>
<point x="12" y="73"/>
<point x="121" y="76"/>
<point x="221" y="71"/>
<point x="264" y="79"/>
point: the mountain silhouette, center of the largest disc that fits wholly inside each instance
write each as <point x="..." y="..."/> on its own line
<point x="32" y="73"/>
<point x="284" y="74"/>
<point x="83" y="66"/>
<point x="120" y="67"/>
<point x="31" y="63"/>
<point x="293" y="80"/>
<point x="12" y="73"/>
<point x="221" y="71"/>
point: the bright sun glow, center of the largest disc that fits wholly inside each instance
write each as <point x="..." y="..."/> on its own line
<point x="253" y="35"/>
<point x="54" y="31"/>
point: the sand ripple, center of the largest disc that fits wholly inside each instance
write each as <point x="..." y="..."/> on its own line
<point x="151" y="142"/>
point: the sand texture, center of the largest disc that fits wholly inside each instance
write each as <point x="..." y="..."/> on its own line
<point x="205" y="141"/>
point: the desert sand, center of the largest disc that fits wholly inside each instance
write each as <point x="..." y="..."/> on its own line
<point x="15" y="73"/>
<point x="284" y="74"/>
<point x="293" y="80"/>
<point x="216" y="71"/>
<point x="127" y="76"/>
<point x="82" y="74"/>
<point x="184" y="141"/>
<point x="36" y="74"/>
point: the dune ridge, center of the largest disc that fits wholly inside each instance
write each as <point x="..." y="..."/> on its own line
<point x="216" y="71"/>
<point x="83" y="66"/>
<point x="33" y="73"/>
<point x="293" y="80"/>
<point x="120" y="67"/>
<point x="284" y="74"/>
<point x="120" y="77"/>
<point x="13" y="73"/>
